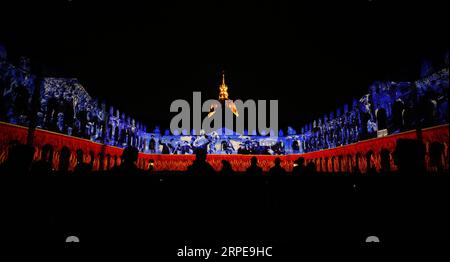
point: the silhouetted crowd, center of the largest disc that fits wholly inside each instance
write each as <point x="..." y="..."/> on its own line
<point x="409" y="157"/>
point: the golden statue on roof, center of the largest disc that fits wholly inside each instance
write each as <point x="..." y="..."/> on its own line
<point x="223" y="97"/>
<point x="223" y="94"/>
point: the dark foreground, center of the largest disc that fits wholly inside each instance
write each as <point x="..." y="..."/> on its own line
<point x="178" y="207"/>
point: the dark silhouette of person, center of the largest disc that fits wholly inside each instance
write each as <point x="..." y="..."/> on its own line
<point x="83" y="168"/>
<point x="371" y="169"/>
<point x="381" y="119"/>
<point x="277" y="170"/>
<point x="68" y="115"/>
<point x="299" y="166"/>
<point x="409" y="156"/>
<point x="4" y="165"/>
<point x="2" y="90"/>
<point x="101" y="161"/>
<point x="254" y="169"/>
<point x="64" y="160"/>
<point x="43" y="166"/>
<point x="398" y="109"/>
<point x="295" y="146"/>
<point x="200" y="166"/>
<point x="152" y="144"/>
<point x="21" y="103"/>
<point x="82" y="116"/>
<point x="411" y="117"/>
<point x="116" y="135"/>
<point x="128" y="166"/>
<point x="226" y="168"/>
<point x="108" y="161"/>
<point x="385" y="160"/>
<point x="151" y="165"/>
<point x="365" y="117"/>
<point x="436" y="153"/>
<point x="20" y="158"/>
<point x="52" y="113"/>
<point x="123" y="136"/>
<point x="310" y="168"/>
<point x="427" y="109"/>
<point x="355" y="167"/>
<point x="171" y="146"/>
<point x="165" y="149"/>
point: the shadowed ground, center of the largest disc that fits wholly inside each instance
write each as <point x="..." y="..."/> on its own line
<point x="177" y="207"/>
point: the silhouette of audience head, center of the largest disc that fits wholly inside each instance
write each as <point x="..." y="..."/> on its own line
<point x="20" y="158"/>
<point x="385" y="160"/>
<point x="226" y="167"/>
<point x="299" y="166"/>
<point x="277" y="169"/>
<point x="409" y="156"/>
<point x="200" y="166"/>
<point x="254" y="169"/>
<point x="151" y="165"/>
<point x="300" y="161"/>
<point x="128" y="165"/>
<point x="83" y="168"/>
<point x="311" y="167"/>
<point x="200" y="155"/>
<point x="79" y="156"/>
<point x="253" y="161"/>
<point x="130" y="155"/>
<point x="64" y="159"/>
<point x="277" y="161"/>
<point x="436" y="154"/>
<point x="371" y="169"/>
<point x="44" y="165"/>
<point x="47" y="153"/>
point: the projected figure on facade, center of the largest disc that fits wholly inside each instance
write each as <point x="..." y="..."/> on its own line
<point x="227" y="146"/>
<point x="116" y="128"/>
<point x="152" y="144"/>
<point x="8" y="97"/>
<point x="201" y="141"/>
<point x="213" y="138"/>
<point x="69" y="114"/>
<point x="82" y="119"/>
<point x="122" y="130"/>
<point x="126" y="130"/>
<point x="101" y="118"/>
<point x="133" y="132"/>
<point x="110" y="126"/>
<point x="21" y="102"/>
<point x="52" y="111"/>
<point x="3" y="84"/>
<point x="91" y="121"/>
<point x="186" y="148"/>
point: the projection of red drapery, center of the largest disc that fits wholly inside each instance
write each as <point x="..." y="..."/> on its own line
<point x="343" y="158"/>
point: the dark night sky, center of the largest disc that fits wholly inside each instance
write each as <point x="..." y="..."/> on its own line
<point x="312" y="57"/>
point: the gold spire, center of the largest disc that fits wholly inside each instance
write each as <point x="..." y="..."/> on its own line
<point x="223" y="94"/>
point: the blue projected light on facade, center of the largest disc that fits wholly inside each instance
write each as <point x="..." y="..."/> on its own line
<point x="64" y="106"/>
